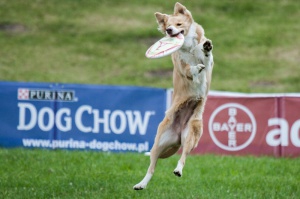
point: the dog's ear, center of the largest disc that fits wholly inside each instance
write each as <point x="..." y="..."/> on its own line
<point x="181" y="9"/>
<point x="161" y="18"/>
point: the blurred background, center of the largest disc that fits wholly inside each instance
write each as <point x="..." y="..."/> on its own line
<point x="256" y="43"/>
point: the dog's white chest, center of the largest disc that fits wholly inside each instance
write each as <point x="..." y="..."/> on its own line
<point x="194" y="58"/>
<point x="188" y="58"/>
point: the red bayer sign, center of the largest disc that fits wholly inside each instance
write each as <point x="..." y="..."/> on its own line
<point x="232" y="126"/>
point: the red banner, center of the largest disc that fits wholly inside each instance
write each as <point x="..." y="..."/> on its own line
<point x="241" y="124"/>
<point x="290" y="126"/>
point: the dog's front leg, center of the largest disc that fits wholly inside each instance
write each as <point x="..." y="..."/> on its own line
<point x="192" y="72"/>
<point x="207" y="51"/>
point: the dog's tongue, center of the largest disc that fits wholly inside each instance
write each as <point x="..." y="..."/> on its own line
<point x="175" y="35"/>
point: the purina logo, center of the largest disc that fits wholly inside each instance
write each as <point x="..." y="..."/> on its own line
<point x="46" y="95"/>
<point x="232" y="127"/>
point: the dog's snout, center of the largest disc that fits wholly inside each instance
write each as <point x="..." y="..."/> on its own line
<point x="169" y="31"/>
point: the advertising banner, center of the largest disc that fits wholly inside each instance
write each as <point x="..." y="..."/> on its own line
<point x="123" y="118"/>
<point x="88" y="117"/>
<point x="288" y="126"/>
<point x="251" y="125"/>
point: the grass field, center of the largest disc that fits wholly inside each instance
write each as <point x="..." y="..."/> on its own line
<point x="79" y="174"/>
<point x="256" y="49"/>
<point x="256" y="43"/>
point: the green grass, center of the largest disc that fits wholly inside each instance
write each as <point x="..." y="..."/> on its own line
<point x="80" y="174"/>
<point x="256" y="43"/>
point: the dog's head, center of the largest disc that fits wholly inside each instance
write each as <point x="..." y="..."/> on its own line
<point x="179" y="22"/>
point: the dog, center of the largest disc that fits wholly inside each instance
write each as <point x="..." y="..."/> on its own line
<point x="182" y="125"/>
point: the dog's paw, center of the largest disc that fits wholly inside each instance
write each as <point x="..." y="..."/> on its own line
<point x="178" y="170"/>
<point x="177" y="173"/>
<point x="207" y="47"/>
<point x="200" y="67"/>
<point x="195" y="71"/>
<point x="139" y="186"/>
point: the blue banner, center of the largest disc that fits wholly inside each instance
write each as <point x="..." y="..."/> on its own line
<point x="73" y="116"/>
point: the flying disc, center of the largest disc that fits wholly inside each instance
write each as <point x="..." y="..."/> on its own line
<point x="165" y="46"/>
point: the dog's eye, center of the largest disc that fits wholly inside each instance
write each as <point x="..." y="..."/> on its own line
<point x="179" y="24"/>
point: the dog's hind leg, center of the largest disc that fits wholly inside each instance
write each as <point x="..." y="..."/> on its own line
<point x="165" y="144"/>
<point x="190" y="138"/>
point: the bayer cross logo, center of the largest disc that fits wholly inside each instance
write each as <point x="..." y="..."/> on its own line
<point x="232" y="127"/>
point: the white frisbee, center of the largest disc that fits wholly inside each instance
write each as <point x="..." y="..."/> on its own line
<point x="165" y="46"/>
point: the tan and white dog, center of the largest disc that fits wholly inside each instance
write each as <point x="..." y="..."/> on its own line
<point x="193" y="64"/>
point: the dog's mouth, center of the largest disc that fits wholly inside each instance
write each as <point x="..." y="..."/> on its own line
<point x="175" y="35"/>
